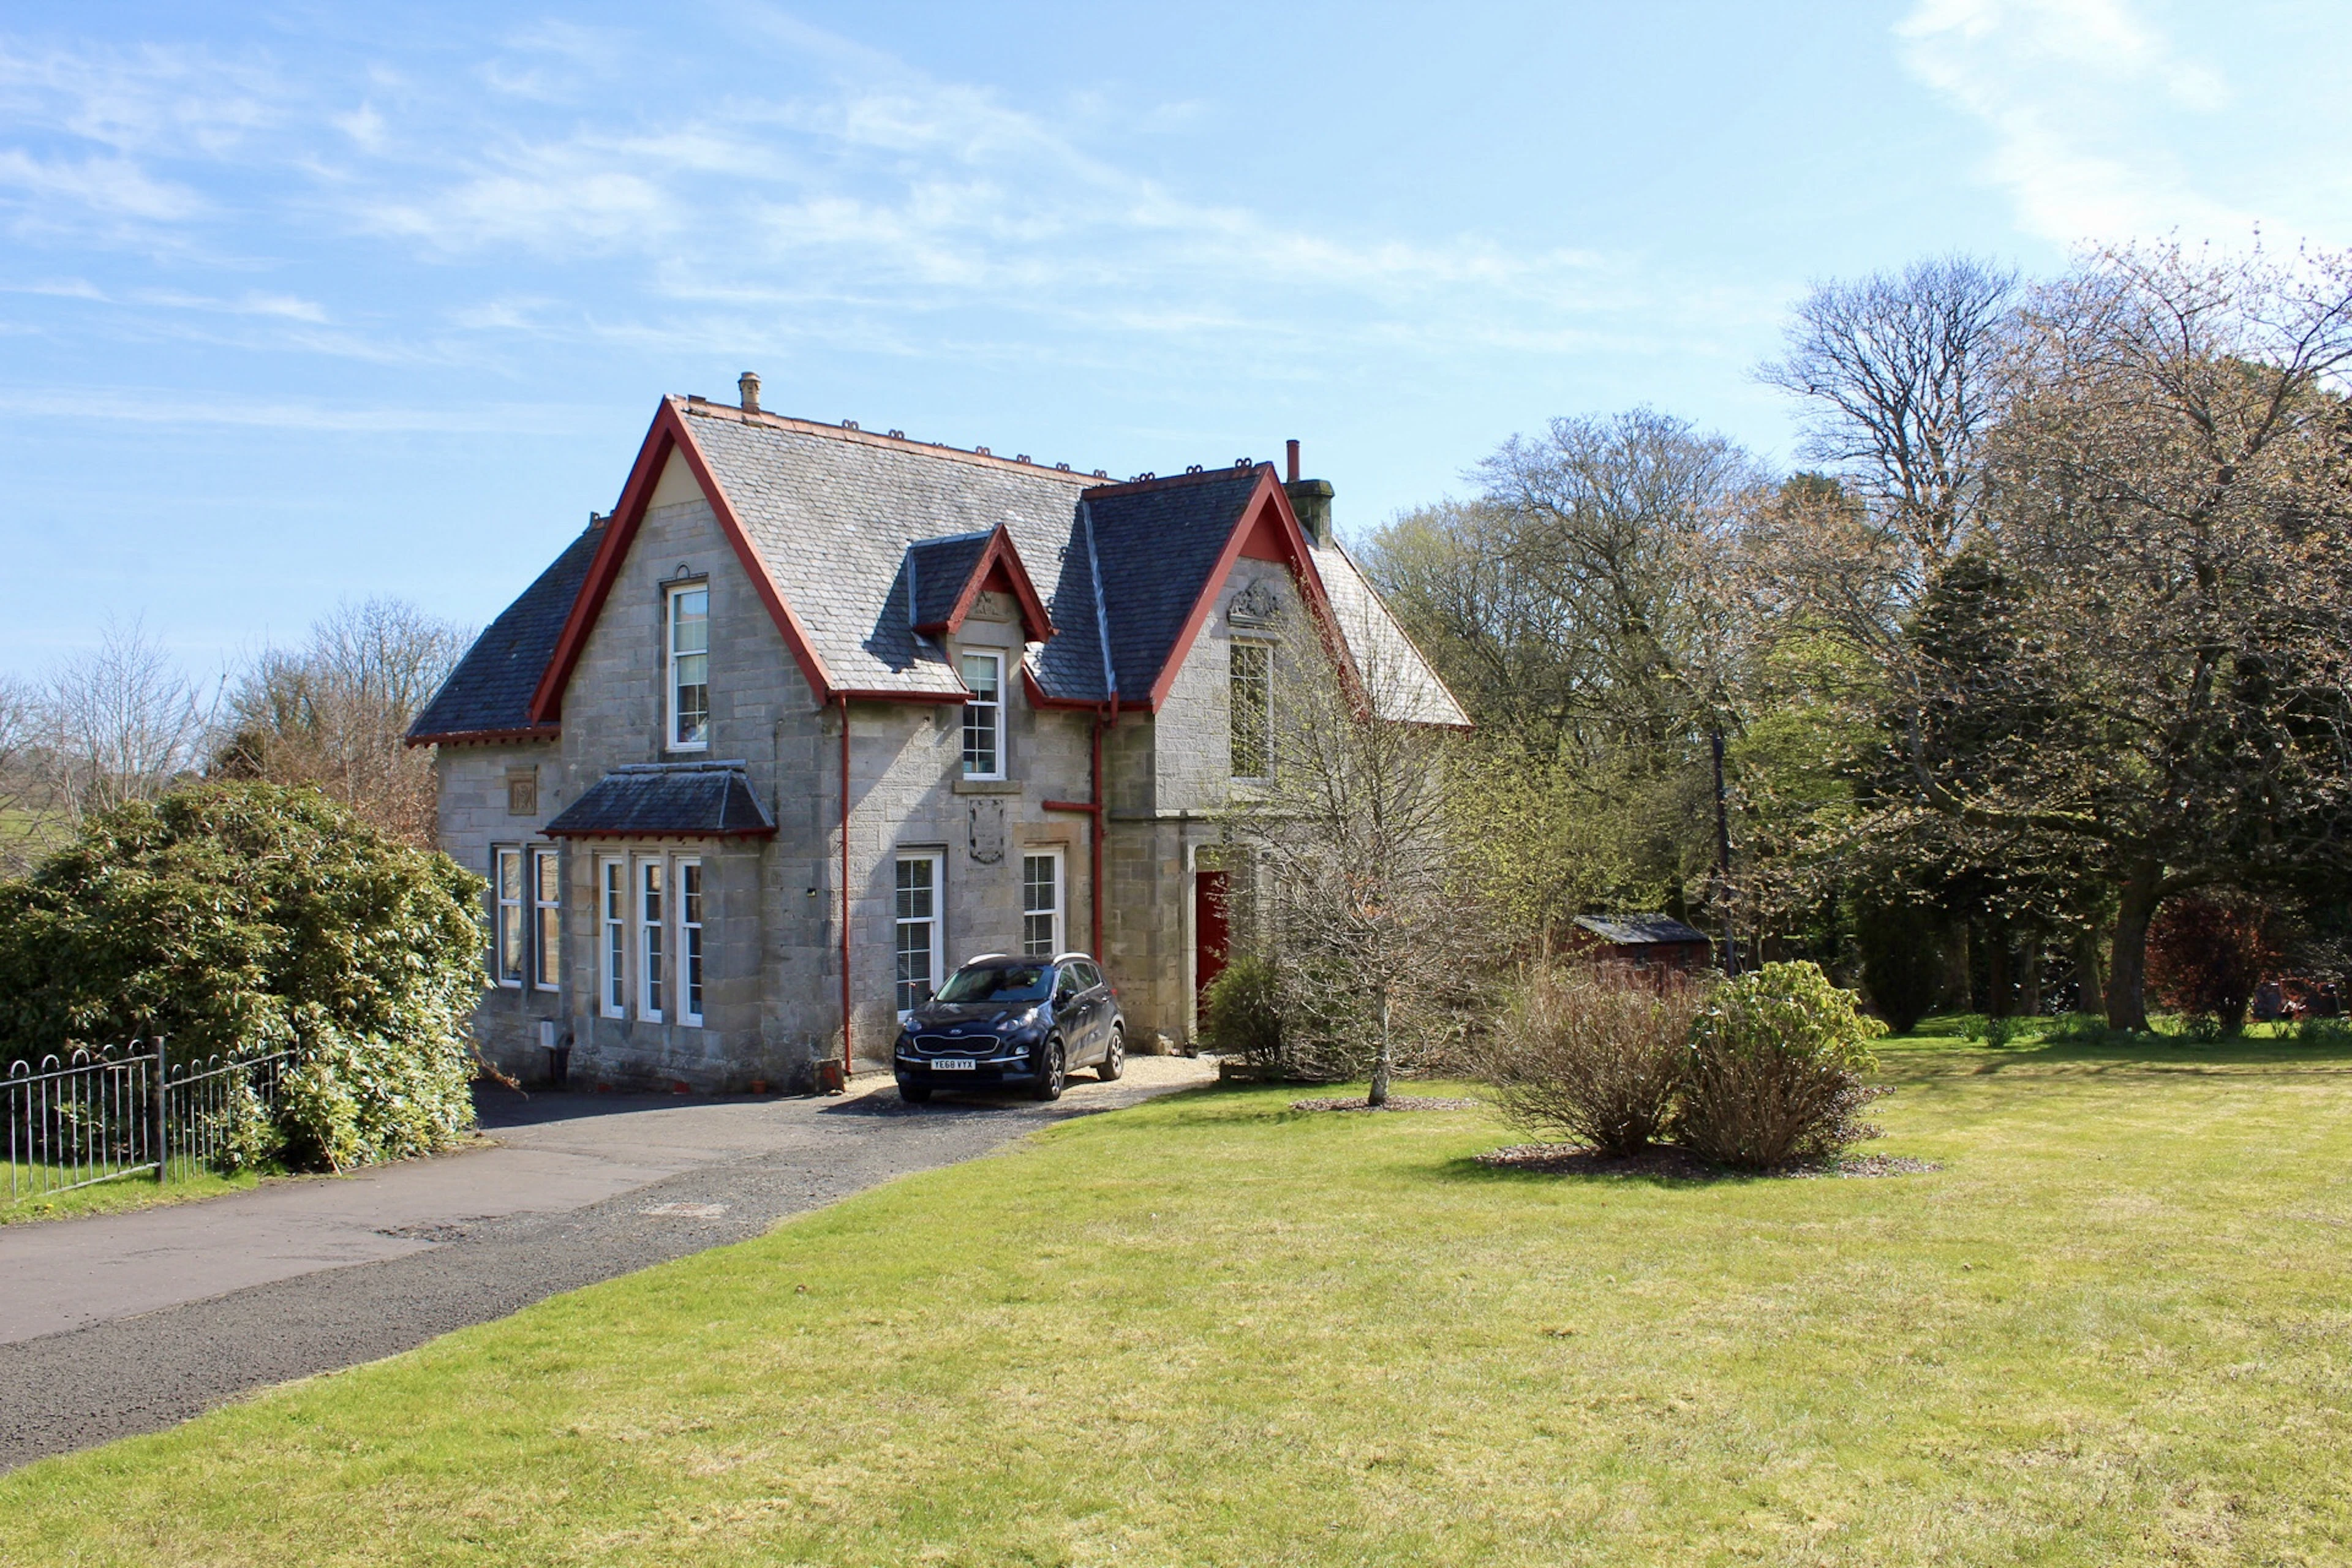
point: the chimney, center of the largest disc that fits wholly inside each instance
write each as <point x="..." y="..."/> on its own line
<point x="747" y="386"/>
<point x="1311" y="500"/>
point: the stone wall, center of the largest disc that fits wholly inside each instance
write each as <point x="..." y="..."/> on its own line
<point x="766" y="1014"/>
<point x="1172" y="778"/>
<point x="476" y="818"/>
<point x="908" y="794"/>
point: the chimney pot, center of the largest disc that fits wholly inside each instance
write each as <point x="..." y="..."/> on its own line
<point x="747" y="386"/>
<point x="1292" y="449"/>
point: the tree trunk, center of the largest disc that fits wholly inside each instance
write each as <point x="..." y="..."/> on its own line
<point x="1999" y="1003"/>
<point x="1957" y="982"/>
<point x="2029" y="977"/>
<point x="2090" y="984"/>
<point x="2127" y="962"/>
<point x="1382" y="1061"/>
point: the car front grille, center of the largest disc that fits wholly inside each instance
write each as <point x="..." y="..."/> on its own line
<point x="955" y="1045"/>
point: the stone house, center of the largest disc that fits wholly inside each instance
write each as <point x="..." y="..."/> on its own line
<point x="815" y="713"/>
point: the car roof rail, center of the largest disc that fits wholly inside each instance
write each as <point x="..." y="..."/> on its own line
<point x="986" y="957"/>
<point x="1065" y="957"/>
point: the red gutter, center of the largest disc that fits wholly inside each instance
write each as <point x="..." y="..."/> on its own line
<point x="848" y="1058"/>
<point x="1106" y="715"/>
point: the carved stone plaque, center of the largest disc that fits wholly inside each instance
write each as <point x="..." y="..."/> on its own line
<point x="988" y="831"/>
<point x="1257" y="605"/>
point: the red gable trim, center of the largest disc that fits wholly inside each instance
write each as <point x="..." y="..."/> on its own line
<point x="1268" y="530"/>
<point x="1001" y="560"/>
<point x="668" y="434"/>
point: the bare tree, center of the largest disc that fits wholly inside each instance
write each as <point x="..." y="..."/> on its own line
<point x="1363" y="909"/>
<point x="1902" y="378"/>
<point x="21" y="794"/>
<point x="119" y="723"/>
<point x="333" y="713"/>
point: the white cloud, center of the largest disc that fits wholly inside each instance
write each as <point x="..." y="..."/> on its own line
<point x="150" y="406"/>
<point x="850" y="198"/>
<point x="113" y="187"/>
<point x="2079" y="95"/>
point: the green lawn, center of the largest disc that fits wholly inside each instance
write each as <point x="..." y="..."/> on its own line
<point x="2112" y="1328"/>
<point x="112" y="1197"/>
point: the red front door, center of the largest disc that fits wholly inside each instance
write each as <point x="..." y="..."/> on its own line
<point x="1209" y="927"/>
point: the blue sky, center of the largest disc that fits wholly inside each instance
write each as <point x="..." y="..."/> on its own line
<point x="299" y="305"/>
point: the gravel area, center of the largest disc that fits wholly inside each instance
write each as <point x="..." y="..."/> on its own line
<point x="1678" y="1164"/>
<point x="150" y="1369"/>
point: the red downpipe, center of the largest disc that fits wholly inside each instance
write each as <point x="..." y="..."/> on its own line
<point x="847" y="1056"/>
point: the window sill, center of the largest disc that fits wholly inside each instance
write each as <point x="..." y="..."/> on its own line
<point x="987" y="786"/>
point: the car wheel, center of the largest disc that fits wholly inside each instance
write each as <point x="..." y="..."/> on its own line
<point x="914" y="1093"/>
<point x="1052" y="1068"/>
<point x="1114" y="1060"/>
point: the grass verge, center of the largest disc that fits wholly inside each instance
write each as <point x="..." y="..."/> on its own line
<point x="124" y="1193"/>
<point x="1213" y="1331"/>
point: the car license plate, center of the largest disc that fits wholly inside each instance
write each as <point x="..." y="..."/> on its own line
<point x="952" y="1063"/>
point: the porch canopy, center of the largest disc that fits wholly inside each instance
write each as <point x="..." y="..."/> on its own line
<point x="668" y="800"/>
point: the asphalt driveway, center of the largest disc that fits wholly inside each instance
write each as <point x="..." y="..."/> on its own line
<point x="127" y="1323"/>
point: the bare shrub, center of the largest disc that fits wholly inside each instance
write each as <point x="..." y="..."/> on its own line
<point x="1591" y="1057"/>
<point x="334" y="713"/>
<point x="1774" y="1072"/>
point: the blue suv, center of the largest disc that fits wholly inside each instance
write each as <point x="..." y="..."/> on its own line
<point x="1003" y="1022"/>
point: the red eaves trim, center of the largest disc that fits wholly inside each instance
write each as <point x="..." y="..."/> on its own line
<point x="667" y="434"/>
<point x="1302" y="566"/>
<point x="1000" y="550"/>
<point x="858" y="695"/>
<point x="484" y="737"/>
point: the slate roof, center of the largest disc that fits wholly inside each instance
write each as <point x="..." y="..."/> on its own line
<point x="676" y="800"/>
<point x="832" y="519"/>
<point x="1403" y="686"/>
<point x="939" y="568"/>
<point x="1639" y="930"/>
<point x="489" y="691"/>
<point x="1158" y="545"/>
<point x="865" y="537"/>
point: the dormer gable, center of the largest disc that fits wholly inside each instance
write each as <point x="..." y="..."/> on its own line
<point x="945" y="577"/>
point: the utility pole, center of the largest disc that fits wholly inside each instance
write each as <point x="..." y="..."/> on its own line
<point x="1723" y="859"/>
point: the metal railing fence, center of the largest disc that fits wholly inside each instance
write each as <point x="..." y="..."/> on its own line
<point x="130" y="1111"/>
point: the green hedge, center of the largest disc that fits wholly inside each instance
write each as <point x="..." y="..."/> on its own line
<point x="244" y="919"/>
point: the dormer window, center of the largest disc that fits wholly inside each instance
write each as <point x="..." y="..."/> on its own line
<point x="983" y="716"/>
<point x="690" y="667"/>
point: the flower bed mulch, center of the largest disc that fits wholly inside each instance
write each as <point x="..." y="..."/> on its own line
<point x="1395" y="1102"/>
<point x="1565" y="1160"/>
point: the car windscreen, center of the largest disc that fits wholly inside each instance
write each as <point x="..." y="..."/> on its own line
<point x="980" y="982"/>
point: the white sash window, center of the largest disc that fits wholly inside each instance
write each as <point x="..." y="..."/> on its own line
<point x="613" y="891"/>
<point x="983" y="715"/>
<point x="920" y="935"/>
<point x="653" y="928"/>
<point x="1041" y="904"/>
